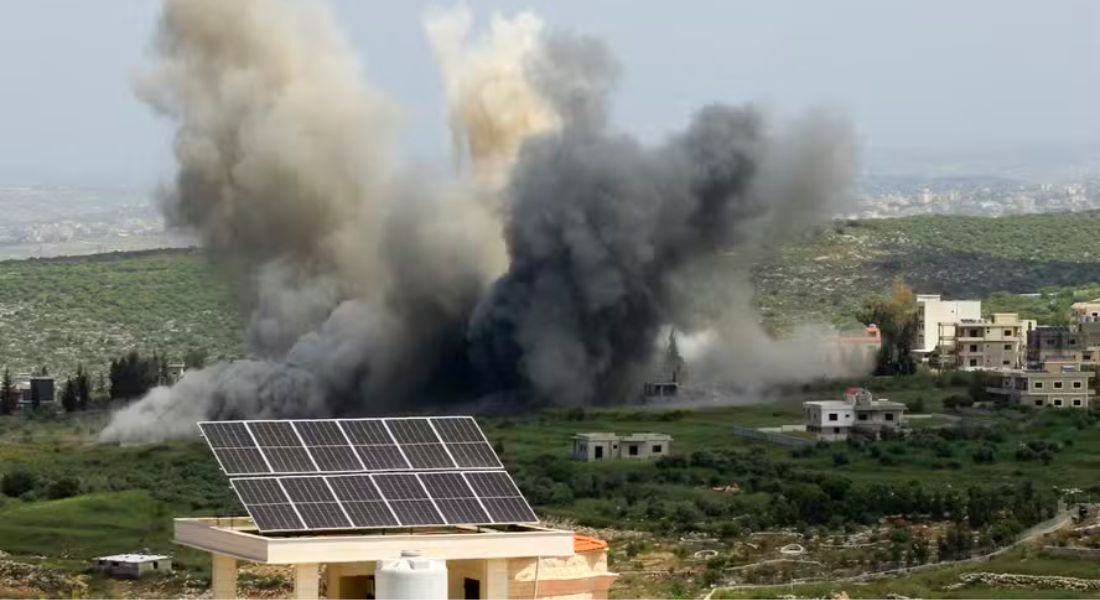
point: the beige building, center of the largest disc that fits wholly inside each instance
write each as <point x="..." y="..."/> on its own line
<point x="1057" y="384"/>
<point x="507" y="561"/>
<point x="999" y="342"/>
<point x="936" y="319"/>
<point x="610" y="446"/>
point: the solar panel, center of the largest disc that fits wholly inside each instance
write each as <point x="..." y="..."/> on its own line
<point x="315" y="502"/>
<point x="373" y="444"/>
<point x="500" y="497"/>
<point x="362" y="502"/>
<point x="349" y="445"/>
<point x="329" y="447"/>
<point x="234" y="448"/>
<point x="383" y="500"/>
<point x="454" y="498"/>
<point x="420" y="444"/>
<point x="466" y="443"/>
<point x="366" y="473"/>
<point x="268" y="504"/>
<point x="281" y="446"/>
<point x="408" y="499"/>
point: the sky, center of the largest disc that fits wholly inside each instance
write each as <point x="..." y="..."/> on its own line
<point x="908" y="74"/>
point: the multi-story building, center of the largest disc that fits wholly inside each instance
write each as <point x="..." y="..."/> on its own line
<point x="936" y="319"/>
<point x="999" y="342"/>
<point x="1078" y="342"/>
<point x="1061" y="384"/>
<point x="857" y="413"/>
<point x="1055" y="343"/>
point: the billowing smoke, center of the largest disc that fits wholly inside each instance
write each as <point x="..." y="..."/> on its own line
<point x="547" y="269"/>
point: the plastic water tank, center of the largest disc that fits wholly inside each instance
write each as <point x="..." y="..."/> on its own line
<point x="411" y="578"/>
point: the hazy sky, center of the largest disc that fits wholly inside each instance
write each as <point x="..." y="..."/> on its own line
<point x="914" y="73"/>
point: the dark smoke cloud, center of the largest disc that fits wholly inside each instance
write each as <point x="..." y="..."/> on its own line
<point x="373" y="289"/>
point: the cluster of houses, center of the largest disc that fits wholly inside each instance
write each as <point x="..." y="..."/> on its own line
<point x="1028" y="364"/>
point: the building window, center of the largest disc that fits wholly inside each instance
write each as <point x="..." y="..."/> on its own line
<point x="154" y="564"/>
<point x="1057" y="385"/>
<point x="973" y="362"/>
<point x="1076" y="385"/>
<point x="1077" y="402"/>
<point x="1057" y="402"/>
<point x="1008" y="346"/>
<point x="1072" y="341"/>
<point x="1038" y="403"/>
<point x="889" y="416"/>
<point x="836" y="430"/>
<point x="975" y="333"/>
<point x="832" y="416"/>
<point x="1006" y="362"/>
<point x="657" y="448"/>
<point x="1038" y="385"/>
<point x="599" y="452"/>
<point x="862" y="416"/>
<point x="632" y="450"/>
<point x="1008" y="333"/>
<point x="973" y="347"/>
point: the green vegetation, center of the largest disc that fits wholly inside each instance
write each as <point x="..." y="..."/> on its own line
<point x="86" y="310"/>
<point x="829" y="276"/>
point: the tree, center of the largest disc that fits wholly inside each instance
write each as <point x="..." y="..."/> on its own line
<point x="195" y="358"/>
<point x="896" y="319"/>
<point x="18" y="482"/>
<point x="132" y="376"/>
<point x="8" y="395"/>
<point x="68" y="395"/>
<point x="36" y="397"/>
<point x="83" y="388"/>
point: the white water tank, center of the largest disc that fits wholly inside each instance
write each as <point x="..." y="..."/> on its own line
<point x="411" y="578"/>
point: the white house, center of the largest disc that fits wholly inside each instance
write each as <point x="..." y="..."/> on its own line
<point x="133" y="565"/>
<point x="858" y="412"/>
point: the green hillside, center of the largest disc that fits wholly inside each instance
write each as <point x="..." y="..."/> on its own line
<point x="60" y="312"/>
<point x="829" y="274"/>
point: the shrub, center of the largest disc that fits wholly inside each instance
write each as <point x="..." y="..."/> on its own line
<point x="840" y="459"/>
<point x="18" y="482"/>
<point x="66" y="487"/>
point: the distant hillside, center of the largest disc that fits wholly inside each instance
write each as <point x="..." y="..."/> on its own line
<point x="64" y="311"/>
<point x="60" y="312"/>
<point x="830" y="274"/>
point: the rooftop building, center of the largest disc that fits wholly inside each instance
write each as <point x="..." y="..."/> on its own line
<point x="1060" y="384"/>
<point x="935" y="318"/>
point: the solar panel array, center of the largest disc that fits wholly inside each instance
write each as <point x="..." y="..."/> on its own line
<point x="382" y="500"/>
<point x="366" y="473"/>
<point x="349" y="445"/>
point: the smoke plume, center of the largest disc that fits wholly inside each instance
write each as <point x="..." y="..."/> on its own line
<point x="545" y="269"/>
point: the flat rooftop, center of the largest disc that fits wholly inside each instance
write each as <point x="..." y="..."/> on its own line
<point x="238" y="537"/>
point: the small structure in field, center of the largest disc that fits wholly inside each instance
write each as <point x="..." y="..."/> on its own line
<point x="610" y="446"/>
<point x="133" y="565"/>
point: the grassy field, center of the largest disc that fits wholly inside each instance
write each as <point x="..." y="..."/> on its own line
<point x="62" y="312"/>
